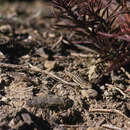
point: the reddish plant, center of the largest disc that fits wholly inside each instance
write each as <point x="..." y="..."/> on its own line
<point x="105" y="24"/>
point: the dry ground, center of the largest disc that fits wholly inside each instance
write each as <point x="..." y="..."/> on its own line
<point x="46" y="83"/>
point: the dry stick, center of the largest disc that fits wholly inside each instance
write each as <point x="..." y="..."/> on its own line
<point x="109" y="111"/>
<point x="36" y="69"/>
<point x="112" y="127"/>
<point x="114" y="87"/>
<point x="59" y="40"/>
<point x="72" y="126"/>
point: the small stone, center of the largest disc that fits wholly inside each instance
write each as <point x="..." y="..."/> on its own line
<point x="5" y="29"/>
<point x="2" y="56"/>
<point x="92" y="75"/>
<point x="84" y="93"/>
<point x="91" y="93"/>
<point x="49" y="64"/>
<point x="51" y="35"/>
<point x="27" y="119"/>
<point x="102" y="87"/>
<point x="46" y="101"/>
<point x="4" y="99"/>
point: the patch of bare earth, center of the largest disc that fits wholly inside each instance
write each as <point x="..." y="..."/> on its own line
<point x="46" y="83"/>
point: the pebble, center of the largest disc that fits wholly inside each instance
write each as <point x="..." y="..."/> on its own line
<point x="92" y="75"/>
<point x="5" y="29"/>
<point x="4" y="99"/>
<point x="27" y="119"/>
<point x="49" y="64"/>
<point x="52" y="35"/>
<point x="2" y="56"/>
<point x="90" y="93"/>
<point x="46" y="101"/>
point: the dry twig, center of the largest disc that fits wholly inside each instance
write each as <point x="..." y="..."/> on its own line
<point x="119" y="90"/>
<point x="72" y="126"/>
<point x="109" y="111"/>
<point x="36" y="69"/>
<point x="111" y="127"/>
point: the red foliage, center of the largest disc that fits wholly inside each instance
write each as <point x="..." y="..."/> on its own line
<point x="105" y="24"/>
